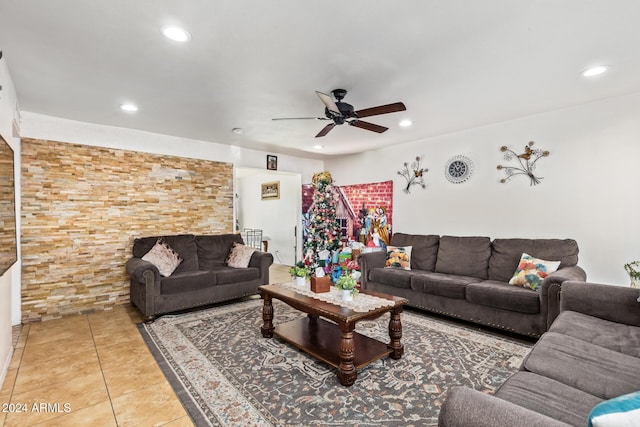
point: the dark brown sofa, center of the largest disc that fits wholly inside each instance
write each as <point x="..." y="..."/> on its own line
<point x="590" y="354"/>
<point x="467" y="278"/>
<point x="202" y="278"/>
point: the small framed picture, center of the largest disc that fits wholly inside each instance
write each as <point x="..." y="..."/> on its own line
<point x="270" y="190"/>
<point x="272" y="162"/>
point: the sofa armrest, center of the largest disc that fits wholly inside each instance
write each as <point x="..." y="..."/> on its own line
<point x="467" y="407"/>
<point x="142" y="271"/>
<point x="368" y="261"/>
<point x="615" y="303"/>
<point x="263" y="261"/>
<point x="551" y="287"/>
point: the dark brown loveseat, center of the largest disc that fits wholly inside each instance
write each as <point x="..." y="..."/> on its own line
<point x="467" y="278"/>
<point x="202" y="278"/>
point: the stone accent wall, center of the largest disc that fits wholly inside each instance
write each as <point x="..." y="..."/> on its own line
<point x="82" y="207"/>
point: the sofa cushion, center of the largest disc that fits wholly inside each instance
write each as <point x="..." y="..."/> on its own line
<point x="549" y="397"/>
<point x="507" y="252"/>
<point x="187" y="281"/>
<point x="398" y="257"/>
<point x="213" y="249"/>
<point x="183" y="244"/>
<point x="464" y="256"/>
<point x="163" y="257"/>
<point x="444" y="285"/>
<point x="588" y="367"/>
<point x="614" y="336"/>
<point x="239" y="255"/>
<point x="424" y="251"/>
<point x="532" y="271"/>
<point x="227" y="275"/>
<point x="395" y="277"/>
<point x="501" y="295"/>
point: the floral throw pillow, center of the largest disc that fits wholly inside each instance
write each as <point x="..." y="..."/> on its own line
<point x="162" y="256"/>
<point x="532" y="271"/>
<point x="239" y="255"/>
<point x="399" y="257"/>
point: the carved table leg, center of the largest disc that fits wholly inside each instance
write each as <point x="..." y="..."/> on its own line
<point x="347" y="372"/>
<point x="395" y="333"/>
<point x="267" y="317"/>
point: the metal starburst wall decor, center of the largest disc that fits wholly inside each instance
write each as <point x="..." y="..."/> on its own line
<point x="413" y="175"/>
<point x="526" y="163"/>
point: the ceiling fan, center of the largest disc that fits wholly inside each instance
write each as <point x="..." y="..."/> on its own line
<point x="341" y="112"/>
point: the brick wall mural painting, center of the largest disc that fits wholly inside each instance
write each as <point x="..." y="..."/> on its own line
<point x="82" y="207"/>
<point x="362" y="209"/>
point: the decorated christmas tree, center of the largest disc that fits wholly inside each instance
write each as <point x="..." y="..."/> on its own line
<point x="324" y="229"/>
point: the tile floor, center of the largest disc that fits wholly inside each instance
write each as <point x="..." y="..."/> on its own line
<point x="92" y="369"/>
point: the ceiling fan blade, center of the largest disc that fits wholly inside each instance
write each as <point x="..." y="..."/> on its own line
<point x="325" y="130"/>
<point x="368" y="126"/>
<point x="329" y="103"/>
<point x="301" y="118"/>
<point x="381" y="109"/>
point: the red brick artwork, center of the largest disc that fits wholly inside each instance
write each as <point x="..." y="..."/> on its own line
<point x="354" y="203"/>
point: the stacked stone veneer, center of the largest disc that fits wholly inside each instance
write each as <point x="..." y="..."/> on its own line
<point x="82" y="207"/>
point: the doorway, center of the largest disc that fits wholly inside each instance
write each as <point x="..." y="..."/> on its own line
<point x="277" y="215"/>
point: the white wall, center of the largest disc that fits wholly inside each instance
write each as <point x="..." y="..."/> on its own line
<point x="63" y="130"/>
<point x="11" y="278"/>
<point x="590" y="191"/>
<point x="277" y="218"/>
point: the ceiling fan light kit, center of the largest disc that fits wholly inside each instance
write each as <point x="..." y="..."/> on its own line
<point x="340" y="113"/>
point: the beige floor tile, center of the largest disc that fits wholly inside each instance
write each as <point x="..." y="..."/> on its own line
<point x="127" y="313"/>
<point x="100" y="415"/>
<point x="77" y="393"/>
<point x="3" y="416"/>
<point x="278" y="273"/>
<point x="39" y="353"/>
<point x="151" y="406"/>
<point x="133" y="376"/>
<point x="56" y="370"/>
<point x="180" y="422"/>
<point x="9" y="382"/>
<point x="41" y="333"/>
<point x="114" y="335"/>
<point x="124" y="353"/>
<point x="24" y="333"/>
<point x="16" y="358"/>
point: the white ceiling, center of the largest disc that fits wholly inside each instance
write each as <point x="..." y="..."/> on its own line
<point x="455" y="64"/>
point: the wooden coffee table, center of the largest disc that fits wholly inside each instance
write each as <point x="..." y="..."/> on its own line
<point x="334" y="343"/>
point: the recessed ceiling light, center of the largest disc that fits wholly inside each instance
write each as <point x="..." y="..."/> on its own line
<point x="318" y="147"/>
<point x="594" y="71"/>
<point x="405" y="123"/>
<point x="238" y="131"/>
<point x="129" y="108"/>
<point x="176" y="34"/>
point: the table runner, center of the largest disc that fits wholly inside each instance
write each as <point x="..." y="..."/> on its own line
<point x="361" y="302"/>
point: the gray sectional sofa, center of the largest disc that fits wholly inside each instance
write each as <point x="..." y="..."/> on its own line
<point x="590" y="354"/>
<point x="467" y="278"/>
<point x="201" y="278"/>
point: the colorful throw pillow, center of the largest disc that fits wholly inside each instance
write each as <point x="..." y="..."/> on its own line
<point x="239" y="255"/>
<point x="532" y="271"/>
<point x="399" y="257"/>
<point x="163" y="257"/>
<point x="620" y="411"/>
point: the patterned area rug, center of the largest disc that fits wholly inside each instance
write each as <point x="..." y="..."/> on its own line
<point x="226" y="374"/>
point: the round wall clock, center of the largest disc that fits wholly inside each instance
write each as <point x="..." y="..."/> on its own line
<point x="458" y="169"/>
